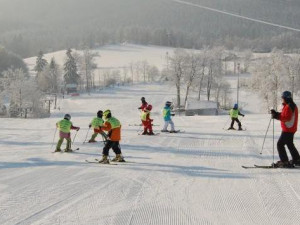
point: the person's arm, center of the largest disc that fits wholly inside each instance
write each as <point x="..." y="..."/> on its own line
<point x="240" y="114"/>
<point x="106" y="126"/>
<point x="286" y="114"/>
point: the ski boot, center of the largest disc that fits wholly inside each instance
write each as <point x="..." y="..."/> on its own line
<point x="173" y="131"/>
<point x="295" y="162"/>
<point x="57" y="150"/>
<point x="68" y="150"/>
<point x="280" y="164"/>
<point x="164" y="131"/>
<point x="231" y="128"/>
<point x="145" y="133"/>
<point x="118" y="158"/>
<point x="92" y="141"/>
<point x="151" y="133"/>
<point x="240" y="128"/>
<point x="104" y="160"/>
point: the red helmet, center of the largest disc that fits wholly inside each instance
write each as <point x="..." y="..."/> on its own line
<point x="149" y="107"/>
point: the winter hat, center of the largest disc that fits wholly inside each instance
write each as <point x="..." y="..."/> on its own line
<point x="99" y="114"/>
<point x="286" y="95"/>
<point x="67" y="117"/>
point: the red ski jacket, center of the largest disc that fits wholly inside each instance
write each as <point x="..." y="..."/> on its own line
<point x="143" y="106"/>
<point x="289" y="119"/>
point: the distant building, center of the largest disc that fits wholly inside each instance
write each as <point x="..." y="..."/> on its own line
<point x="194" y="107"/>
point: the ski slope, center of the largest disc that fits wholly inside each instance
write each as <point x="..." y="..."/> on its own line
<point x="188" y="178"/>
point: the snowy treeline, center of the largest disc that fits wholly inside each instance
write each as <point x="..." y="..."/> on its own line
<point x="163" y="23"/>
<point x="199" y="72"/>
<point x="274" y="74"/>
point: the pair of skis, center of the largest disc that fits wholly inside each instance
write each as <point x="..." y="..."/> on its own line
<point x="110" y="163"/>
<point x="77" y="149"/>
<point x="268" y="167"/>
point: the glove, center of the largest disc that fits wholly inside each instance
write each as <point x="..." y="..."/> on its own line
<point x="172" y="114"/>
<point x="275" y="114"/>
<point x="90" y="126"/>
<point x="78" y="128"/>
<point x="151" y="120"/>
<point x="243" y="115"/>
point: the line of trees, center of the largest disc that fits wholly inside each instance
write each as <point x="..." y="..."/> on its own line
<point x="201" y="72"/>
<point x="274" y="74"/>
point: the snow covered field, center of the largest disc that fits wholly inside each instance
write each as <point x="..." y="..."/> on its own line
<point x="176" y="179"/>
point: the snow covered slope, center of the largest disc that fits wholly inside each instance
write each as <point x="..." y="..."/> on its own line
<point x="185" y="178"/>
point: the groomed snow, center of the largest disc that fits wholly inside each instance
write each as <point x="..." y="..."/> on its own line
<point x="172" y="179"/>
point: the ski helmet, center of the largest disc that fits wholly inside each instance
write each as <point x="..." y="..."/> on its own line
<point x="236" y="106"/>
<point x="107" y="114"/>
<point x="67" y="117"/>
<point x="143" y="99"/>
<point x="168" y="103"/>
<point x="99" y="114"/>
<point x="286" y="95"/>
<point x="149" y="107"/>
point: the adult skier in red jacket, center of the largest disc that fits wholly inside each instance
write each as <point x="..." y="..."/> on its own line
<point x="289" y="124"/>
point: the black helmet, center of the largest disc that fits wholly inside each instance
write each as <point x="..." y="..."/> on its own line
<point x="286" y="95"/>
<point x="99" y="114"/>
<point x="67" y="117"/>
<point x="168" y="103"/>
<point x="143" y="99"/>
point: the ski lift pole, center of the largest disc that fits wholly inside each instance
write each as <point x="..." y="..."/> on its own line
<point x="262" y="148"/>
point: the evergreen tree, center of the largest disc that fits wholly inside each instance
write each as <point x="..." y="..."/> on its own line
<point x="54" y="75"/>
<point x="71" y="75"/>
<point x="40" y="63"/>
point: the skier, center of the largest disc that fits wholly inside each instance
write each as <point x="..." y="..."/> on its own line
<point x="289" y="123"/>
<point x="147" y="121"/>
<point x="65" y="127"/>
<point x="113" y="128"/>
<point x="144" y="104"/>
<point x="167" y="118"/>
<point x="234" y="114"/>
<point x="96" y="123"/>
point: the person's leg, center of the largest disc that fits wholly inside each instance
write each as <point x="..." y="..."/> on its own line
<point x="117" y="149"/>
<point x="282" y="141"/>
<point x="93" y="137"/>
<point x="68" y="148"/>
<point x="239" y="123"/>
<point x="145" y="127"/>
<point x="291" y="146"/>
<point x="59" y="143"/>
<point x="172" y="125"/>
<point x="166" y="126"/>
<point x="150" y="128"/>
<point x="232" y="123"/>
<point x="105" y="152"/>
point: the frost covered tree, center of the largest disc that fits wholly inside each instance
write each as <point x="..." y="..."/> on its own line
<point x="88" y="66"/>
<point x="22" y="91"/>
<point x="71" y="75"/>
<point x="177" y="67"/>
<point x="41" y="63"/>
<point x="54" y="76"/>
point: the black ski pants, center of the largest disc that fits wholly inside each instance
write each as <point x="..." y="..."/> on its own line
<point x="111" y="144"/>
<point x="237" y="120"/>
<point x="288" y="140"/>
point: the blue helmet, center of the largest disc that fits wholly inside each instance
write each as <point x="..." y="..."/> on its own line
<point x="236" y="106"/>
<point x="286" y="95"/>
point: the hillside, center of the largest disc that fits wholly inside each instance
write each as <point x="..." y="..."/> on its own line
<point x="56" y="25"/>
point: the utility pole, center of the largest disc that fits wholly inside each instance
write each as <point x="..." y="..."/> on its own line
<point x="238" y="83"/>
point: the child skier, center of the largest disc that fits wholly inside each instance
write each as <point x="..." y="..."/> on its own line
<point x="147" y="121"/>
<point x="96" y="124"/>
<point x="113" y="128"/>
<point x="234" y="114"/>
<point x="64" y="126"/>
<point x="144" y="104"/>
<point x="167" y="118"/>
<point x="289" y="124"/>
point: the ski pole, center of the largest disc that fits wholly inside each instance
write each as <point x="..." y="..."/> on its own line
<point x="86" y="135"/>
<point x="53" y="138"/>
<point x="262" y="148"/>
<point x="226" y="123"/>
<point x="74" y="137"/>
<point x="273" y="143"/>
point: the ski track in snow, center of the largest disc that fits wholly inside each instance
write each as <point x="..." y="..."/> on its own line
<point x="186" y="178"/>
